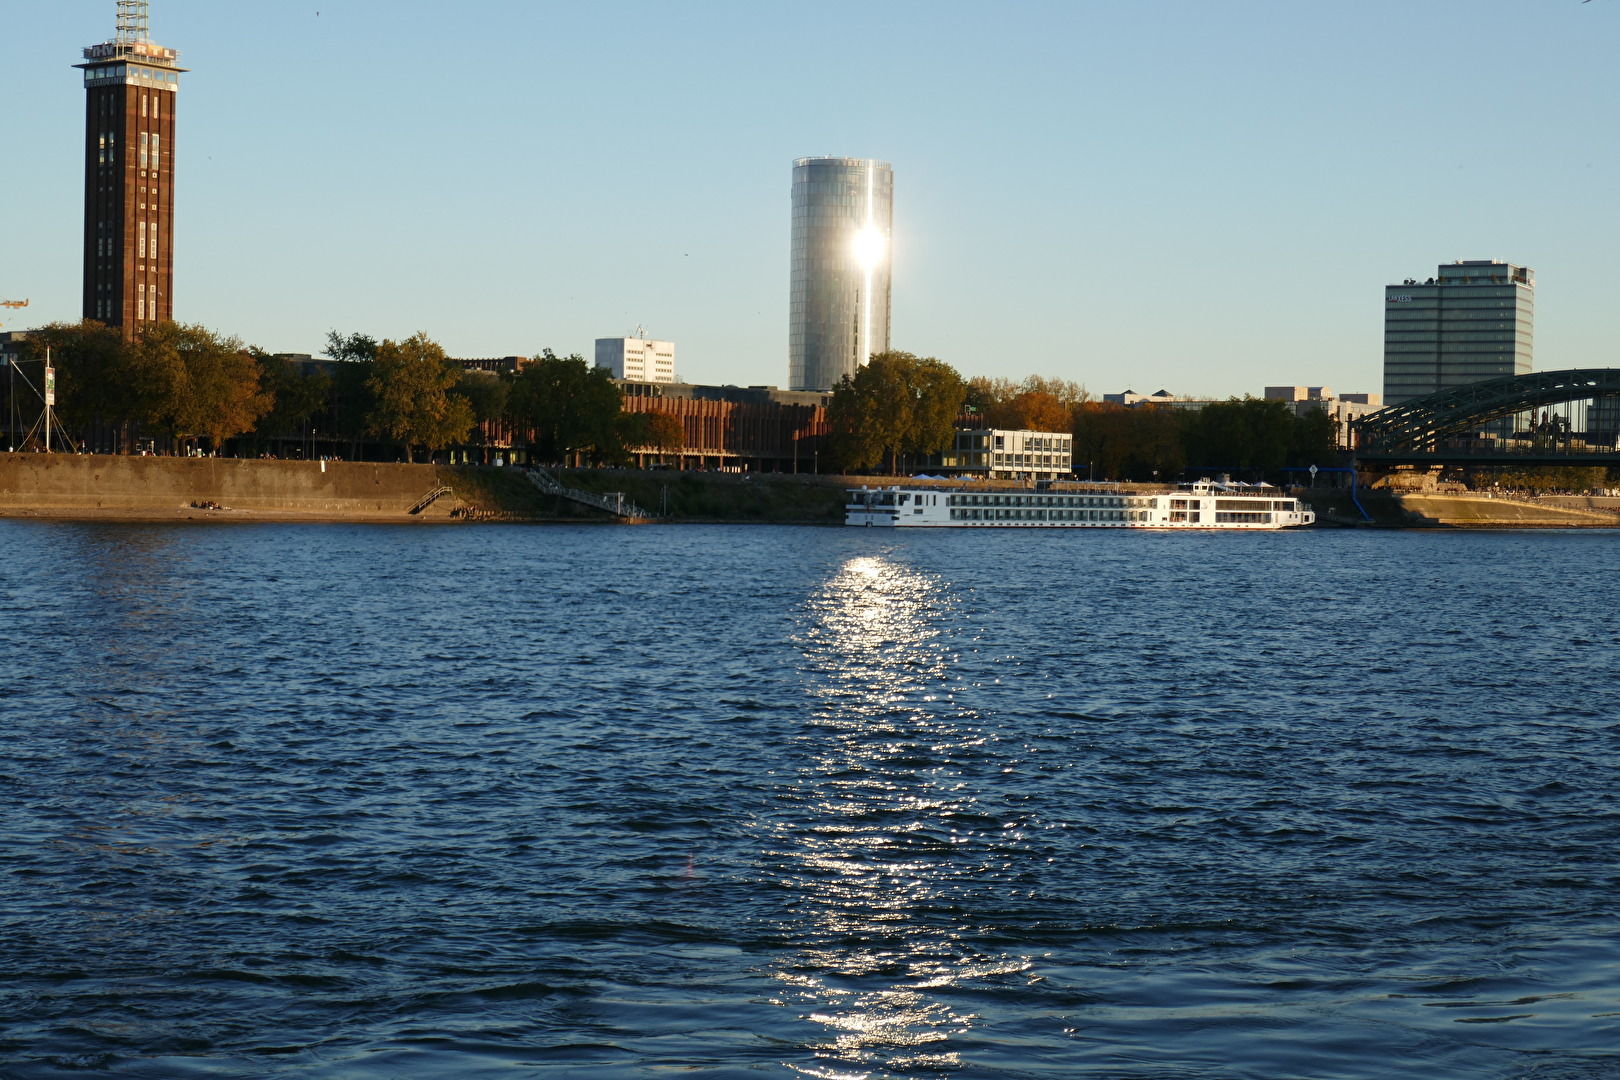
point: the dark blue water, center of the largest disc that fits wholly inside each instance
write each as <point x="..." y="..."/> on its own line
<point x="358" y="803"/>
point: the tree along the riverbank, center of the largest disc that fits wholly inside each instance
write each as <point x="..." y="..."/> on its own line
<point x="412" y="383"/>
<point x="568" y="408"/>
<point x="897" y="405"/>
<point x="184" y="380"/>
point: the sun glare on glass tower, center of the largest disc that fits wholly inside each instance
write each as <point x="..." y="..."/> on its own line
<point x="843" y="213"/>
<point x="131" y="85"/>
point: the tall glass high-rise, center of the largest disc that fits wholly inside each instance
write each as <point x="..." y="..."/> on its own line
<point x="843" y="215"/>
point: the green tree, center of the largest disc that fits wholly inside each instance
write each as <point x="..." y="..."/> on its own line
<point x="985" y="393"/>
<point x="567" y="407"/>
<point x="295" y="395"/>
<point x="897" y="404"/>
<point x="936" y="394"/>
<point x="412" y="382"/>
<point x="1315" y="439"/>
<point x="94" y="373"/>
<point x="487" y="393"/>
<point x="354" y="349"/>
<point x="1156" y="450"/>
<point x="1244" y="433"/>
<point x="1102" y="439"/>
<point x="352" y="399"/>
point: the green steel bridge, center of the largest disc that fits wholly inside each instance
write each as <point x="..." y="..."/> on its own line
<point x="1544" y="418"/>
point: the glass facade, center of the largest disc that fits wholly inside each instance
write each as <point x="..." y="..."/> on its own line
<point x="1470" y="322"/>
<point x="838" y="308"/>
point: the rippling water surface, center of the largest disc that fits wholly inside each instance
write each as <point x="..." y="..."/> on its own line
<point x="365" y="803"/>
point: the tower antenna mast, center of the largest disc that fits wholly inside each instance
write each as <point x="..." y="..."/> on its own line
<point x="132" y="25"/>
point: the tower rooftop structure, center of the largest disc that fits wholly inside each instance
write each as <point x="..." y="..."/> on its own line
<point x="132" y="42"/>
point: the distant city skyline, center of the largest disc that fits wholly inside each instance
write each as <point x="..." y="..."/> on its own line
<point x="1123" y="196"/>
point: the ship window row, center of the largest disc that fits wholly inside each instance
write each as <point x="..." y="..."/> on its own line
<point x="1000" y="514"/>
<point x="1241" y="518"/>
<point x="1050" y="500"/>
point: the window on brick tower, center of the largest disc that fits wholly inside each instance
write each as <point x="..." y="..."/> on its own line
<point x="144" y="143"/>
<point x="143" y="240"/>
<point x="157" y="141"/>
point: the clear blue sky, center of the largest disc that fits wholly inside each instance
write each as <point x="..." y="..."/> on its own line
<point x="1197" y="195"/>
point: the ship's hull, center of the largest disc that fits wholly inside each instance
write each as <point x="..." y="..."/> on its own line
<point x="1197" y="507"/>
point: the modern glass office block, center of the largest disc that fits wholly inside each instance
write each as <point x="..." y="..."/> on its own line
<point x="1472" y="321"/>
<point x="843" y="214"/>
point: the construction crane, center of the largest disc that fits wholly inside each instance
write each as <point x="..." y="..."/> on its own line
<point x="13" y="304"/>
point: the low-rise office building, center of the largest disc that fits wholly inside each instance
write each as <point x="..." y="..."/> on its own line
<point x="1002" y="454"/>
<point x="743" y="428"/>
<point x="635" y="359"/>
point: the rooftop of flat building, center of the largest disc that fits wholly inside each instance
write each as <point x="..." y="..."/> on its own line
<point x="736" y="394"/>
<point x="1475" y="272"/>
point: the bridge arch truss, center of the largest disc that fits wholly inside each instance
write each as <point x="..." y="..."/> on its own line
<point x="1447" y="425"/>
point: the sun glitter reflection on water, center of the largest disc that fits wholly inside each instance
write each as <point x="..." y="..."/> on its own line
<point x="869" y="843"/>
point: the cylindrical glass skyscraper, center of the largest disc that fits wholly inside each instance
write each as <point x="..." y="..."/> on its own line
<point x="838" y="312"/>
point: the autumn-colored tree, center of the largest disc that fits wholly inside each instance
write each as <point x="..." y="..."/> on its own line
<point x="1035" y="404"/>
<point x="655" y="431"/>
<point x="196" y="384"/>
<point x="412" y="382"/>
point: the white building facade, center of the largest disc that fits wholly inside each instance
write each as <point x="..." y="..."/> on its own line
<point x="637" y="359"/>
<point x="1010" y="455"/>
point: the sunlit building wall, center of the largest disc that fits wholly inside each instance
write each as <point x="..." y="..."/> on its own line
<point x="843" y="214"/>
<point x="637" y="358"/>
<point x="1008" y="455"/>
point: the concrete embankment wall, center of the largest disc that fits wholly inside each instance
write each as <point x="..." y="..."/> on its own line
<point x="1481" y="511"/>
<point x="1407" y="510"/>
<point x="65" y="483"/>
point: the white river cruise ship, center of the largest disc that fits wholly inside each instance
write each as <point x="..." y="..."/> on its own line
<point x="1203" y="505"/>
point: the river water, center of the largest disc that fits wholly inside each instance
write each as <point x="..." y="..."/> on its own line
<point x="724" y="802"/>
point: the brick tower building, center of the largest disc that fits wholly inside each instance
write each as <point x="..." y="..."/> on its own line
<point x="130" y="85"/>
